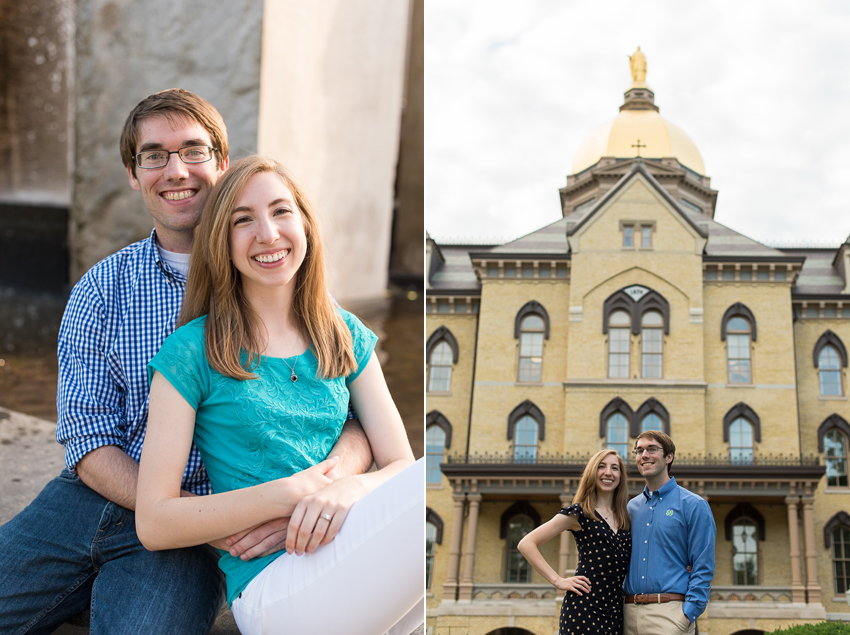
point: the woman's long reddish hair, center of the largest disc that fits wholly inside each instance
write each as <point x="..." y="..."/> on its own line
<point x="214" y="287"/>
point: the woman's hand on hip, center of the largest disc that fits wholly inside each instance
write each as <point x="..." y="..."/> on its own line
<point x="319" y="516"/>
<point x="578" y="584"/>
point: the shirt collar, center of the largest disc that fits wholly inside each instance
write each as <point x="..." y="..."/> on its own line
<point x="168" y="272"/>
<point x="665" y="489"/>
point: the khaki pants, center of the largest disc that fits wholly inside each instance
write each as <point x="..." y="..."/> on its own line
<point x="656" y="619"/>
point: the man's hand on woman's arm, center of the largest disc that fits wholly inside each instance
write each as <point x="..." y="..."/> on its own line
<point x="355" y="457"/>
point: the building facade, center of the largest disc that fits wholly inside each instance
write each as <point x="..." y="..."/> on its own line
<point x="636" y="311"/>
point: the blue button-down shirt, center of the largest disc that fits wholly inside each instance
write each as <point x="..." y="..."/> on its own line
<point x="671" y="530"/>
<point x="116" y="320"/>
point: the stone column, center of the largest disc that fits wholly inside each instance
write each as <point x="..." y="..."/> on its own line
<point x="812" y="586"/>
<point x="465" y="587"/>
<point x="798" y="591"/>
<point x="450" y="585"/>
<point x="566" y="543"/>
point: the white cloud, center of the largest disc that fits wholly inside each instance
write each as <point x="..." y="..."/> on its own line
<point x="513" y="88"/>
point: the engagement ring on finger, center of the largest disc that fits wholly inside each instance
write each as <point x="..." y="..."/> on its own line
<point x="327" y="517"/>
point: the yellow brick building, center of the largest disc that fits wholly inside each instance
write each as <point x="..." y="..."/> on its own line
<point x="638" y="311"/>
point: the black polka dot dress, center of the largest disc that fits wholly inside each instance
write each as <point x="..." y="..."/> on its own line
<point x="603" y="558"/>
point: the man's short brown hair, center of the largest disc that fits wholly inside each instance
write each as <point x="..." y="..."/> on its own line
<point x="666" y="443"/>
<point x="171" y="104"/>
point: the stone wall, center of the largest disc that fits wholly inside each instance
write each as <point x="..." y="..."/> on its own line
<point x="126" y="51"/>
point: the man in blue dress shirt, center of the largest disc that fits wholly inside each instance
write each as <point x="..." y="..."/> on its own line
<point x="673" y="534"/>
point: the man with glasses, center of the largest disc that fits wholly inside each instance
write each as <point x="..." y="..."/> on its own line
<point x="673" y="534"/>
<point x="75" y="546"/>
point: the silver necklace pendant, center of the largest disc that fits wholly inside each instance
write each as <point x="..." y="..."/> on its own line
<point x="294" y="377"/>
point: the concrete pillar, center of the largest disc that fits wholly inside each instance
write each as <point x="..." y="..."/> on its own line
<point x="798" y="591"/>
<point x="466" y="582"/>
<point x="566" y="543"/>
<point x="450" y="585"/>
<point x="812" y="586"/>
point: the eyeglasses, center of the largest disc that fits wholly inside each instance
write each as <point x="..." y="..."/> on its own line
<point x="652" y="449"/>
<point x="152" y="159"/>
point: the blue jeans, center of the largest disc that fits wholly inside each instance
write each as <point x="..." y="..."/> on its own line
<point x="72" y="549"/>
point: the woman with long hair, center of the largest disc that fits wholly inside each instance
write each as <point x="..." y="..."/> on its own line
<point x="599" y="520"/>
<point x="260" y="376"/>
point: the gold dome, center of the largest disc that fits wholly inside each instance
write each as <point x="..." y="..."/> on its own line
<point x="638" y="124"/>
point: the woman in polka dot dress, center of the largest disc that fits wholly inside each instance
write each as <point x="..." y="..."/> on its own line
<point x="599" y="520"/>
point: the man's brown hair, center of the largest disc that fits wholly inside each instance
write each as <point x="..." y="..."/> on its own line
<point x="666" y="443"/>
<point x="173" y="104"/>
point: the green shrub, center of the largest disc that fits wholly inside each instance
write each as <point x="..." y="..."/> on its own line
<point x="823" y="628"/>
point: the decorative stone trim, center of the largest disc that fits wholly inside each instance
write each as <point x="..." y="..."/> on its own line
<point x="830" y="339"/>
<point x="649" y="301"/>
<point x="840" y="519"/>
<point x="650" y="406"/>
<point x="742" y="410"/>
<point x="520" y="508"/>
<point x="615" y="405"/>
<point x="434" y="518"/>
<point x="738" y="310"/>
<point x="437" y="418"/>
<point x="442" y="334"/>
<point x="532" y="308"/>
<point x="833" y="421"/>
<point x="527" y="408"/>
<point x="744" y="510"/>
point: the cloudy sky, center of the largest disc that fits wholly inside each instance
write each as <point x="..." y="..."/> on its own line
<point x="762" y="88"/>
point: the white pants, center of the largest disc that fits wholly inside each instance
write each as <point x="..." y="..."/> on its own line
<point x="369" y="580"/>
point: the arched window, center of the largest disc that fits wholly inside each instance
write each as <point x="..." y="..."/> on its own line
<point x="531" y="335"/>
<point x="441" y="350"/>
<point x="618" y="434"/>
<point x="518" y="569"/>
<point x="651" y="325"/>
<point x="741" y="442"/>
<point x="651" y="422"/>
<point x="435" y="445"/>
<point x="430" y="542"/>
<point x="440" y="372"/>
<point x="835" y="447"/>
<point x="618" y="344"/>
<point x="738" y="350"/>
<point x="836" y="534"/>
<point x="829" y="371"/>
<point x="744" y="553"/>
<point x="525" y="440"/>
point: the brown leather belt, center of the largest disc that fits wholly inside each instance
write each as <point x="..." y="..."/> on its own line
<point x="654" y="598"/>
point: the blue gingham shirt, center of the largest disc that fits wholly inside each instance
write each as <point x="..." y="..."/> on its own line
<point x="116" y="320"/>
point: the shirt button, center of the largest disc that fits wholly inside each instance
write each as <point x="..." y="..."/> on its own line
<point x="644" y="559"/>
<point x="642" y="577"/>
<point x="647" y="524"/>
<point x="644" y="542"/>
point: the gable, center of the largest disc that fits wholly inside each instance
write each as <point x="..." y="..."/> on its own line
<point x="637" y="201"/>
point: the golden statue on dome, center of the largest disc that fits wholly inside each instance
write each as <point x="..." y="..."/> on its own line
<point x="637" y="62"/>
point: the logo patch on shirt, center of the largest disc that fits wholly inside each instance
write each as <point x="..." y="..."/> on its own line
<point x="669" y="512"/>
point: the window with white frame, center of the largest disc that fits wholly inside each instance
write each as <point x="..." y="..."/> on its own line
<point x="531" y="348"/>
<point x="440" y="368"/>
<point x="741" y="442"/>
<point x="738" y="351"/>
<point x="619" y="325"/>
<point x="829" y="371"/>
<point x="618" y="434"/>
<point x="651" y="344"/>
<point x="435" y="447"/>
<point x="835" y="448"/>
<point x="744" y="553"/>
<point x="526" y="434"/>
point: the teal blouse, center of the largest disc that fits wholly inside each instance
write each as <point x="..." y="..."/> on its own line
<point x="258" y="430"/>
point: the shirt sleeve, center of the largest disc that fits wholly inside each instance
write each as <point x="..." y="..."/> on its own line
<point x="574" y="510"/>
<point x="363" y="341"/>
<point x="702" y="533"/>
<point x="182" y="361"/>
<point x="90" y="397"/>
